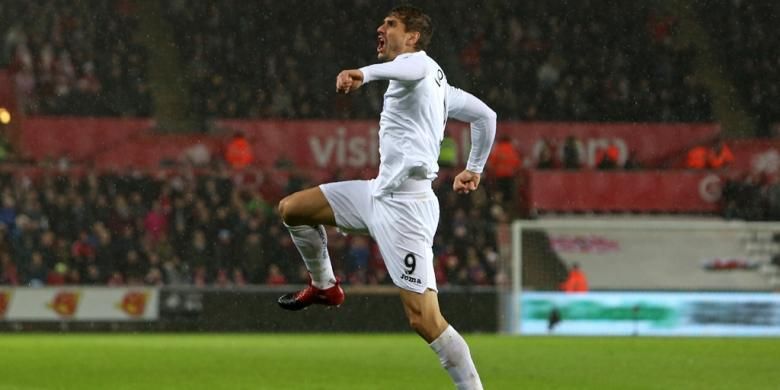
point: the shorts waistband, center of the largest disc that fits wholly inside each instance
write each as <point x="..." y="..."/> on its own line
<point x="414" y="185"/>
<point x="413" y="189"/>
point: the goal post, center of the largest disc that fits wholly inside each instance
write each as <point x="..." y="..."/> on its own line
<point x="629" y="255"/>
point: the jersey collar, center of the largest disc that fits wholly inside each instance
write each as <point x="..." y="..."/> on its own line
<point x="404" y="55"/>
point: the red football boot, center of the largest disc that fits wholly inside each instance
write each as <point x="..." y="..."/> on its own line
<point x="333" y="296"/>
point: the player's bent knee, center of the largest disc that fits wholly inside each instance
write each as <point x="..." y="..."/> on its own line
<point x="293" y="211"/>
<point x="287" y="212"/>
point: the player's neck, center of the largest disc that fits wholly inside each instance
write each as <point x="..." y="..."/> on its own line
<point x="407" y="51"/>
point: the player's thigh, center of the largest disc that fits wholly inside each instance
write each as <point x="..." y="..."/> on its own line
<point x="404" y="230"/>
<point x="351" y="203"/>
<point x="307" y="207"/>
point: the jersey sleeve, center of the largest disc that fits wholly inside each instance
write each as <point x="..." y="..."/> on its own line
<point x="463" y="106"/>
<point x="406" y="68"/>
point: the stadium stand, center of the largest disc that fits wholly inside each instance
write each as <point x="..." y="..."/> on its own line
<point x="554" y="61"/>
<point x="76" y="60"/>
<point x="153" y="228"/>
<point x="536" y="61"/>
<point x="746" y="32"/>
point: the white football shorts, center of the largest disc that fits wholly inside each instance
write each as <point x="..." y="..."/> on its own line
<point x="402" y="223"/>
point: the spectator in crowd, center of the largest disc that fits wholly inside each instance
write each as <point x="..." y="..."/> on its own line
<point x="697" y="157"/>
<point x="720" y="155"/>
<point x="255" y="262"/>
<point x="155" y="223"/>
<point x="576" y="281"/>
<point x="200" y="255"/>
<point x="572" y="153"/>
<point x="448" y="154"/>
<point x="358" y="260"/>
<point x="544" y="153"/>
<point x="505" y="163"/>
<point x="451" y="271"/>
<point x="56" y="276"/>
<point x="632" y="161"/>
<point x="176" y="272"/>
<point x="715" y="156"/>
<point x="37" y="272"/>
<point x="553" y="319"/>
<point x="239" y="151"/>
<point x="745" y="198"/>
<point x="608" y="157"/>
<point x="772" y="193"/>
<point x="275" y="276"/>
<point x="9" y="272"/>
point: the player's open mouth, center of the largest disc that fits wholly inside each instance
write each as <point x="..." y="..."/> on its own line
<point x="380" y="45"/>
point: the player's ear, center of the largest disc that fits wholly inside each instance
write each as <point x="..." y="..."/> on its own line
<point x="412" y="38"/>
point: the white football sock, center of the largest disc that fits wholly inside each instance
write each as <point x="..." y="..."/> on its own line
<point x="312" y="244"/>
<point x="455" y="357"/>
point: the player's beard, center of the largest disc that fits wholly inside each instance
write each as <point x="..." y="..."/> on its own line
<point x="386" y="54"/>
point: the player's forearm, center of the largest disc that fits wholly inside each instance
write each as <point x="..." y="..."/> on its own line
<point x="401" y="69"/>
<point x="467" y="108"/>
<point x="483" y="132"/>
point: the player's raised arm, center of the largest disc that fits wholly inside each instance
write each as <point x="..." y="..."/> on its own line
<point x="404" y="68"/>
<point x="463" y="106"/>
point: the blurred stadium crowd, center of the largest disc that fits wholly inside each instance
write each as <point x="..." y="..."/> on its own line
<point x="204" y="229"/>
<point x="746" y="32"/>
<point x="547" y="60"/>
<point x="558" y="60"/>
<point x="75" y="59"/>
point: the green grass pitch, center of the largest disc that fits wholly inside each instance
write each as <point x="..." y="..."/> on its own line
<point x="373" y="361"/>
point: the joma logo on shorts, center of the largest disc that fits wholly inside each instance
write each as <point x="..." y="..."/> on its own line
<point x="411" y="279"/>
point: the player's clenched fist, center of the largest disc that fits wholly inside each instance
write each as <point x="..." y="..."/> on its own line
<point x="349" y="80"/>
<point x="465" y="182"/>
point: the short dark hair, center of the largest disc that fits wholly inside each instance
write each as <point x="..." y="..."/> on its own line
<point x="417" y="21"/>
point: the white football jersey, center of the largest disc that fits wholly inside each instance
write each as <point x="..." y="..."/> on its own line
<point x="416" y="106"/>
